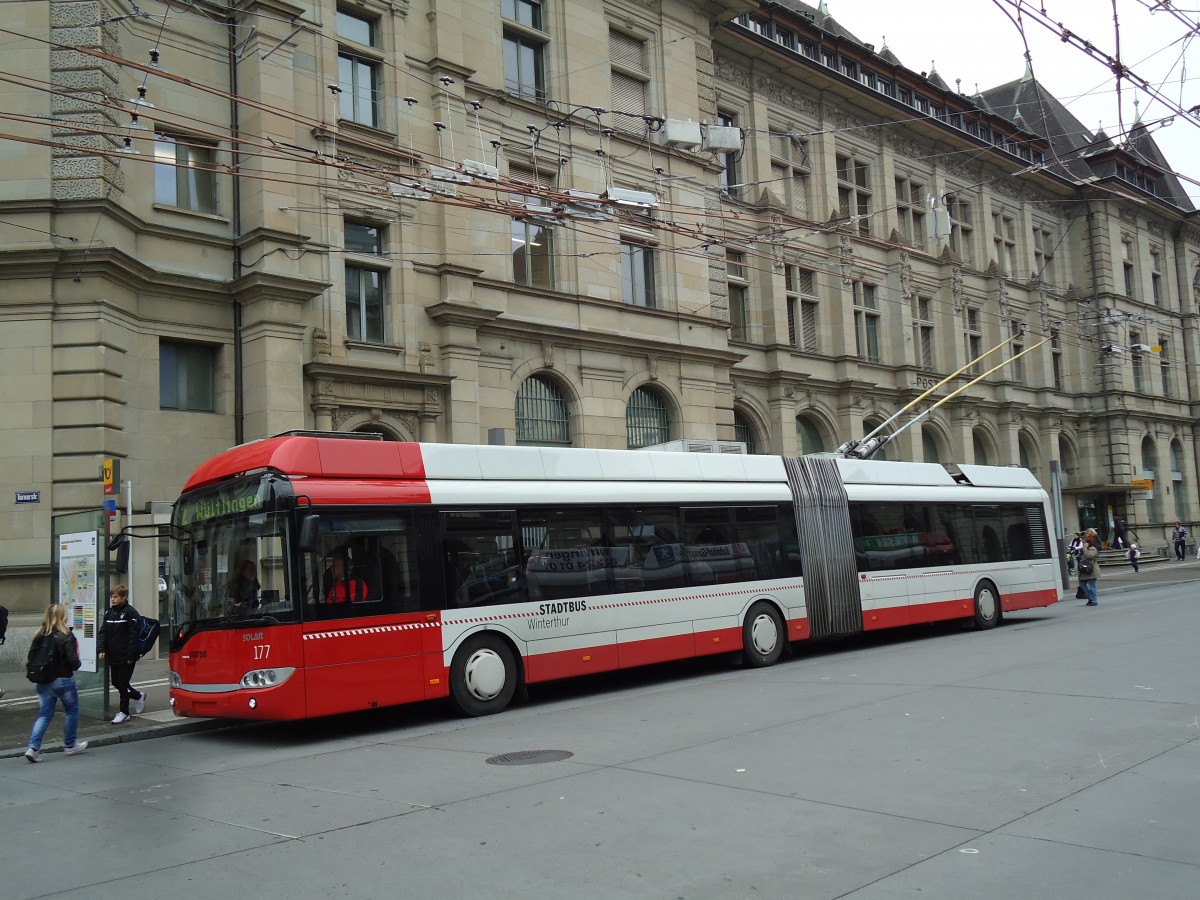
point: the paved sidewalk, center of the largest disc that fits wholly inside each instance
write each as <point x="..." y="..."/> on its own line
<point x="18" y="708"/>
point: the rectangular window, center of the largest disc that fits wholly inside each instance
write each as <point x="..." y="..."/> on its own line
<point x="637" y="275"/>
<point x="1127" y="266"/>
<point x="358" y="71"/>
<point x="1138" y="361"/>
<point x="974" y="340"/>
<point x="910" y="210"/>
<point x="729" y="179"/>
<point x="1056" y="359"/>
<point x="1004" y="238"/>
<point x="532" y="234"/>
<point x="1043" y="253"/>
<point x="790" y="170"/>
<point x="804" y="306"/>
<point x="1017" y="330"/>
<point x="866" y="322"/>
<point x="1156" y="279"/>
<point x="1164" y="368"/>
<point x="854" y="192"/>
<point x="524" y="49"/>
<point x="629" y="80"/>
<point x="185" y="173"/>
<point x="962" y="228"/>
<point x="923" y="333"/>
<point x="365" y="284"/>
<point x="739" y="295"/>
<point x="186" y="376"/>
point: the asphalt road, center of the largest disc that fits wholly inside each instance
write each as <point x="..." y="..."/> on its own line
<point x="1056" y="756"/>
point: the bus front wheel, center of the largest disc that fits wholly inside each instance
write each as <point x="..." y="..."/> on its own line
<point x="483" y="675"/>
<point x="762" y="635"/>
<point x="987" y="605"/>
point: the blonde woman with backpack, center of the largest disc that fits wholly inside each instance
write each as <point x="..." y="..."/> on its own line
<point x="63" y="659"/>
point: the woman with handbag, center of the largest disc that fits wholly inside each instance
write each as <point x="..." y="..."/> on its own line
<point x="63" y="661"/>
<point x="1089" y="569"/>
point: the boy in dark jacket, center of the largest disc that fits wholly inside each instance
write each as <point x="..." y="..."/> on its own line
<point x="118" y="646"/>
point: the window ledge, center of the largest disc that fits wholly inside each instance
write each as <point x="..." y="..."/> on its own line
<point x="193" y="213"/>
<point x="352" y="344"/>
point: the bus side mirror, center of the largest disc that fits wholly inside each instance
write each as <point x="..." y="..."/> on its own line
<point x="310" y="533"/>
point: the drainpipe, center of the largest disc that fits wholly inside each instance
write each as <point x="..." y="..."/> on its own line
<point x="239" y="412"/>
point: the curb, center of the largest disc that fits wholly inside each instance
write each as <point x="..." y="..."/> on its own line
<point x="183" y="726"/>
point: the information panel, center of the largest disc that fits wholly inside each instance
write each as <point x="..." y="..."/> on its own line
<point x="77" y="587"/>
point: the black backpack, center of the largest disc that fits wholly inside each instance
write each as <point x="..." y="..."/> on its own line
<point x="40" y="666"/>
<point x="3" y="623"/>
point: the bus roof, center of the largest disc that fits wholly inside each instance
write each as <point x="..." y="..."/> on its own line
<point x="335" y="458"/>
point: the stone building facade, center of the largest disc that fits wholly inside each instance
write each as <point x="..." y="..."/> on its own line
<point x="602" y="223"/>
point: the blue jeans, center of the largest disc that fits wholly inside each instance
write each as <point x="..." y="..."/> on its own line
<point x="63" y="689"/>
<point x="1089" y="588"/>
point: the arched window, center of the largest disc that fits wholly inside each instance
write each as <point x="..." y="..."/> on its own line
<point x="543" y="416"/>
<point x="1066" y="457"/>
<point x="808" y="436"/>
<point x="979" y="449"/>
<point x="376" y="429"/>
<point x="743" y="431"/>
<point x="929" y="446"/>
<point x="1149" y="470"/>
<point x="1027" y="453"/>
<point x="647" y="421"/>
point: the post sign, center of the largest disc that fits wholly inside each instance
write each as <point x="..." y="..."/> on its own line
<point x="29" y="496"/>
<point x="112" y="476"/>
<point x="1143" y="489"/>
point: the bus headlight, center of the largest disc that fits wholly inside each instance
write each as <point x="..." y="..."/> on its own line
<point x="265" y="678"/>
<point x="174" y="679"/>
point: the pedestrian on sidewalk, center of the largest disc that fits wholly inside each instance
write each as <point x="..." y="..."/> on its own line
<point x="1120" y="537"/>
<point x="1134" y="554"/>
<point x="1179" y="538"/>
<point x="118" y="646"/>
<point x="1089" y="569"/>
<point x="64" y="660"/>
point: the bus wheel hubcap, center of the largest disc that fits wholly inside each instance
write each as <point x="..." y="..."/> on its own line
<point x="485" y="674"/>
<point x="987" y="604"/>
<point x="764" y="634"/>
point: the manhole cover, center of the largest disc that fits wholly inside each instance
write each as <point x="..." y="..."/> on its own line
<point x="529" y="757"/>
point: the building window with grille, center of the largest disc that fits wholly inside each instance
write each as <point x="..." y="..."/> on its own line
<point x="1004" y="238"/>
<point x="803" y="309"/>
<point x="974" y="340"/>
<point x="532" y="232"/>
<point x="910" y="210"/>
<point x="630" y="80"/>
<point x="185" y="173"/>
<point x="1043" y="254"/>
<point x="366" y="281"/>
<point x="790" y="171"/>
<point x="359" y="68"/>
<point x="647" y="421"/>
<point x="739" y="295"/>
<point x="854" y="192"/>
<point x="524" y="49"/>
<point x="186" y="376"/>
<point x="866" y="322"/>
<point x="1017" y="330"/>
<point x="1164" y="368"/>
<point x="923" y="332"/>
<point x="543" y="416"/>
<point x="637" y="275"/>
<point x="743" y="432"/>
<point x="962" y="228"/>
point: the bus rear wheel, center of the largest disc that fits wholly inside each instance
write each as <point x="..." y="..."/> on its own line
<point x="483" y="675"/>
<point x="987" y="605"/>
<point x="762" y="636"/>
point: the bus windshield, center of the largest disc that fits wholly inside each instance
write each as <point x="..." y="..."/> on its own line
<point x="232" y="569"/>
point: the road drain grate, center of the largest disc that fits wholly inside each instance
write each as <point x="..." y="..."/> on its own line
<point x="528" y="757"/>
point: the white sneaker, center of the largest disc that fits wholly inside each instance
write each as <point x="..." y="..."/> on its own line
<point x="120" y="717"/>
<point x="79" y="747"/>
<point x="139" y="705"/>
<point x="33" y="755"/>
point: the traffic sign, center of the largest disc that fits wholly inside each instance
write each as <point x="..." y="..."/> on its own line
<point x="112" y="476"/>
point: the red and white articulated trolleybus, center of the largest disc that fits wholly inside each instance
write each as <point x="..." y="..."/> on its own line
<point x="317" y="575"/>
